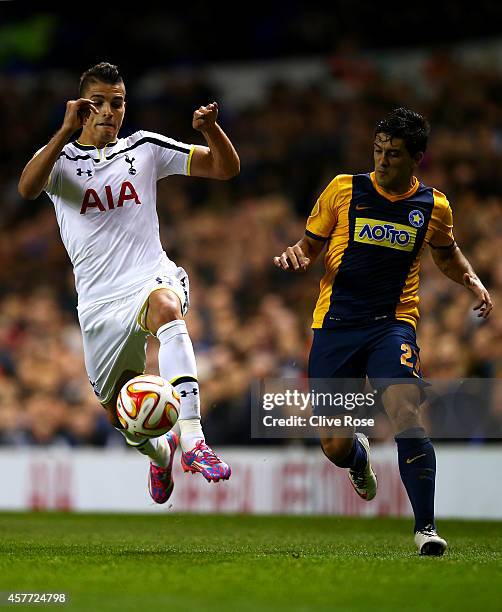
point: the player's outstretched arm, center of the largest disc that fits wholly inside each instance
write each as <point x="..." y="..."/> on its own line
<point x="37" y="171"/>
<point x="300" y="256"/>
<point x="452" y="262"/>
<point x="219" y="160"/>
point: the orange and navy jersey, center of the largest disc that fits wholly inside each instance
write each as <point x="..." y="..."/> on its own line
<point x="374" y="243"/>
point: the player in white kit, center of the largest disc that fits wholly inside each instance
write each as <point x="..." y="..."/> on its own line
<point x="104" y="193"/>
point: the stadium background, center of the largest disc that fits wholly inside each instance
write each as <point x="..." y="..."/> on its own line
<point x="300" y="92"/>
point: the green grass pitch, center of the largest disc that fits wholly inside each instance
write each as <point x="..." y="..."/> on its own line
<point x="243" y="563"/>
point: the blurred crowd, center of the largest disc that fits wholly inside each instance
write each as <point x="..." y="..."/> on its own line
<point x="247" y="319"/>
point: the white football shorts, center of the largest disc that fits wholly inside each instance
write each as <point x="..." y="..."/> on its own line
<point x="114" y="333"/>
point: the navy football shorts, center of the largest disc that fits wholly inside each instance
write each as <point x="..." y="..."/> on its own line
<point x="381" y="350"/>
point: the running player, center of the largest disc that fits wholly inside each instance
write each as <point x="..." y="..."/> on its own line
<point x="376" y="227"/>
<point x="104" y="193"/>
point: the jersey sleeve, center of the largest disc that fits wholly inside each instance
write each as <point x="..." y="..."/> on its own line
<point x="442" y="221"/>
<point x="54" y="176"/>
<point x="324" y="215"/>
<point x="170" y="156"/>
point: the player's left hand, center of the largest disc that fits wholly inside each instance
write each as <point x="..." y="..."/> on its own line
<point x="205" y="117"/>
<point x="474" y="285"/>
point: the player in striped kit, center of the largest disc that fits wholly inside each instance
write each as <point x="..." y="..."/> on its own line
<point x="104" y="193"/>
<point x="375" y="227"/>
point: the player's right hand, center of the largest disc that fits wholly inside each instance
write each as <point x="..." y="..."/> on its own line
<point x="77" y="113"/>
<point x="293" y="258"/>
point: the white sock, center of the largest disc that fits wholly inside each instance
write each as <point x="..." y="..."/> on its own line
<point x="190" y="433"/>
<point x="156" y="448"/>
<point x="177" y="365"/>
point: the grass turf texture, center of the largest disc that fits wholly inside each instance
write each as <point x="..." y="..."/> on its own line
<point x="242" y="563"/>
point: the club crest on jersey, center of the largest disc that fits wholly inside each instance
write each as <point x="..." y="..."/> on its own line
<point x="416" y="218"/>
<point x="383" y="233"/>
<point x="130" y="161"/>
<point x="93" y="200"/>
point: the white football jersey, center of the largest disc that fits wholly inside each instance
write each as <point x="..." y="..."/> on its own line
<point x="105" y="203"/>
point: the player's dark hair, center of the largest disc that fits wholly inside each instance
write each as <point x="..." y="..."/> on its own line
<point x="404" y="123"/>
<point x="103" y="72"/>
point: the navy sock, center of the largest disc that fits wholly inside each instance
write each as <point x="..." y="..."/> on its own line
<point x="417" y="466"/>
<point x="356" y="459"/>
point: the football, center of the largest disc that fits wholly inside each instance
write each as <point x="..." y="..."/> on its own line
<point x="148" y="406"/>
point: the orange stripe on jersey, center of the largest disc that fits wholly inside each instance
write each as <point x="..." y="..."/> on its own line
<point x="407" y="309"/>
<point x="439" y="231"/>
<point x="332" y="207"/>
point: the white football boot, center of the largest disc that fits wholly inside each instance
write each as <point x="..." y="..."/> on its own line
<point x="429" y="542"/>
<point x="364" y="482"/>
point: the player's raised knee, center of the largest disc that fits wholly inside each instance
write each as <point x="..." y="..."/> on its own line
<point x="163" y="307"/>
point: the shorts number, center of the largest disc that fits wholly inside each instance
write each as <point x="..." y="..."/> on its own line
<point x="407" y="356"/>
<point x="406" y="348"/>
